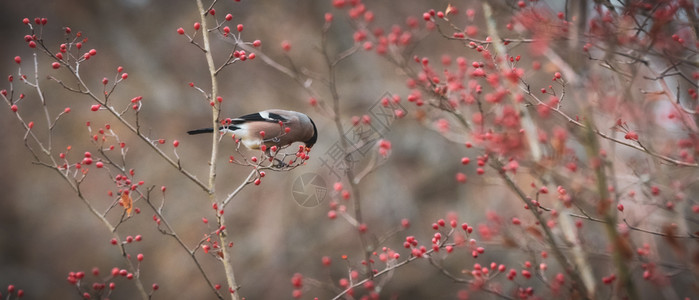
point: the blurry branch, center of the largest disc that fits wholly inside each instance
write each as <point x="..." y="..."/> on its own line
<point x="477" y="41"/>
<point x="578" y="283"/>
<point x="527" y="90"/>
<point x="332" y="85"/>
<point x="272" y="63"/>
<point x="586" y="216"/>
<point x="303" y="81"/>
<point x="501" y="53"/>
<point x="454" y="278"/>
<point x="620" y="252"/>
<point x="392" y="265"/>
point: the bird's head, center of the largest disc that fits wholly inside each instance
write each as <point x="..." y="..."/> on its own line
<point x="312" y="141"/>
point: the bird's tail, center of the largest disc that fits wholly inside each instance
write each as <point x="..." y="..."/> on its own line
<point x="203" y="130"/>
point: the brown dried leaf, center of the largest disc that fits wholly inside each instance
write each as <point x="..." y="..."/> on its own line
<point x="535" y="232"/>
<point x="670" y="232"/>
<point x="127" y="203"/>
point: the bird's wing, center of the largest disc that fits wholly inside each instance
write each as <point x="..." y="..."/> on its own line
<point x="262" y="116"/>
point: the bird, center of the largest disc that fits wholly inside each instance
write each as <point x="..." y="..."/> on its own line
<point x="272" y="127"/>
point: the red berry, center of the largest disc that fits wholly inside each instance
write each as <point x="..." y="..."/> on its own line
<point x="297" y="280"/>
<point x="180" y="30"/>
<point x="175" y="143"/>
<point x="256" y="43"/>
<point x="286" y="46"/>
<point x="25" y="21"/>
<point x="14" y="108"/>
<point x="229" y="17"/>
<point x="124" y="76"/>
<point x="197" y="26"/>
<point x="55" y="65"/>
<point x="239" y="27"/>
<point x="461" y="177"/>
<point x="95" y="107"/>
<point x="18" y="59"/>
<point x="139" y="257"/>
<point x="362" y="228"/>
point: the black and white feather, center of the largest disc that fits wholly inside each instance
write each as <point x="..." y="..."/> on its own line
<point x="269" y="128"/>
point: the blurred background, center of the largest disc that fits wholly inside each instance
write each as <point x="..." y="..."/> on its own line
<point x="46" y="231"/>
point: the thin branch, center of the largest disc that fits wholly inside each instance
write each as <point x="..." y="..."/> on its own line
<point x="240" y="187"/>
